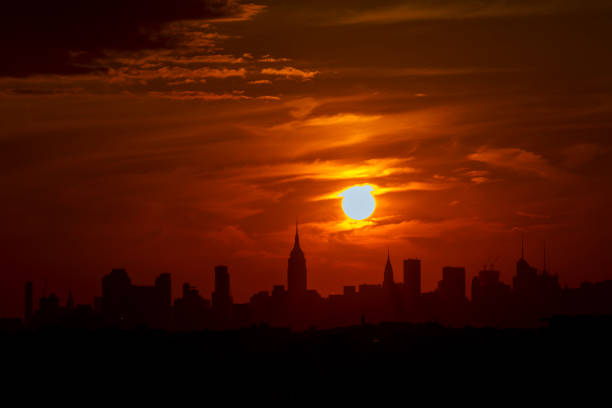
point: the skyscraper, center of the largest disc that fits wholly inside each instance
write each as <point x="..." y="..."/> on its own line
<point x="116" y="291"/>
<point x="221" y="298"/>
<point x="526" y="280"/>
<point x="388" y="277"/>
<point x="296" y="268"/>
<point x="452" y="286"/>
<point x="412" y="277"/>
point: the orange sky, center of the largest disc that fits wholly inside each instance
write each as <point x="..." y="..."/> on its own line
<point x="193" y="136"/>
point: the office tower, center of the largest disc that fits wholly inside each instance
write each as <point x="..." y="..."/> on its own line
<point x="452" y="286"/>
<point x="412" y="277"/>
<point x="296" y="269"/>
<point x="526" y="281"/>
<point x="116" y="291"/>
<point x="221" y="298"/>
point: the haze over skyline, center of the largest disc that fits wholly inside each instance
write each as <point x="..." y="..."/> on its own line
<point x="193" y="134"/>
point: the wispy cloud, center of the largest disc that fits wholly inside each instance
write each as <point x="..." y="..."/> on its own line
<point x="514" y="159"/>
<point x="459" y="9"/>
<point x="392" y="187"/>
<point x="290" y="73"/>
<point x="328" y="170"/>
<point x="208" y="96"/>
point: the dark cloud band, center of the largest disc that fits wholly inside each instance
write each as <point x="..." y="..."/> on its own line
<point x="63" y="36"/>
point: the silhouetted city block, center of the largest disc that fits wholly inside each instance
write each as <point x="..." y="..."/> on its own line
<point x="534" y="296"/>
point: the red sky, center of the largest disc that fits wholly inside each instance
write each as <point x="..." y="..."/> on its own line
<point x="174" y="136"/>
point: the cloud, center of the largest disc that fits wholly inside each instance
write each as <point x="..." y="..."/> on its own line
<point x="394" y="188"/>
<point x="208" y="96"/>
<point x="479" y="180"/>
<point x="260" y="82"/>
<point x="155" y="58"/>
<point x="173" y="73"/>
<point x="290" y="73"/>
<point x="195" y="95"/>
<point x="243" y="12"/>
<point x="532" y="216"/>
<point x="66" y="36"/>
<point x="302" y="107"/>
<point x="581" y="154"/>
<point x="396" y="12"/>
<point x="514" y="159"/>
<point x="269" y="58"/>
<point x="384" y="72"/>
<point x="339" y="119"/>
<point x="327" y="170"/>
<point x="385" y="231"/>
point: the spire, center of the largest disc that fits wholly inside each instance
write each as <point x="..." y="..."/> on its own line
<point x="388" y="276"/>
<point x="522" y="246"/>
<point x="297" y="236"/>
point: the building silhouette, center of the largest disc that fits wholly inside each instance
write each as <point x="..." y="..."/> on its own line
<point x="137" y="304"/>
<point x="221" y="297"/>
<point x="491" y="298"/>
<point x="412" y="278"/>
<point x="191" y="311"/>
<point x="49" y="309"/>
<point x="452" y="285"/>
<point x="536" y="294"/>
<point x="296" y="269"/>
<point x="526" y="280"/>
<point x="116" y="291"/>
<point x="533" y="296"/>
<point x="388" y="275"/>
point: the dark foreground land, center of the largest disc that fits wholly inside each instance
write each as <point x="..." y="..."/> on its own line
<point x="566" y="340"/>
<point x="568" y="356"/>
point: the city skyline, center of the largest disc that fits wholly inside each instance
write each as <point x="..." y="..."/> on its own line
<point x="533" y="295"/>
<point x="298" y="266"/>
<point x="193" y="134"/>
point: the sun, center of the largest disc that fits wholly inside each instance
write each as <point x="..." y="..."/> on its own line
<point x="358" y="202"/>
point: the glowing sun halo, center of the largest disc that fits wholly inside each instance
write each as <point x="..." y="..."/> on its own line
<point x="358" y="202"/>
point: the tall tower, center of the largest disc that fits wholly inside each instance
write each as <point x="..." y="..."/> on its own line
<point x="296" y="268"/>
<point x="388" y="279"/>
<point x="116" y="294"/>
<point x="221" y="297"/>
<point x="412" y="277"/>
<point x="452" y="286"/>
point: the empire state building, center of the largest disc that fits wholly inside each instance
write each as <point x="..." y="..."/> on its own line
<point x="296" y="269"/>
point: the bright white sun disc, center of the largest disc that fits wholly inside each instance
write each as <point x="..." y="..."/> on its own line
<point x="358" y="202"/>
